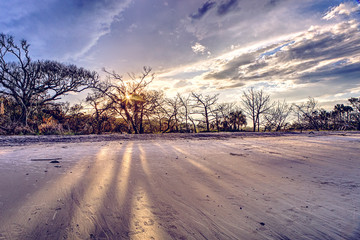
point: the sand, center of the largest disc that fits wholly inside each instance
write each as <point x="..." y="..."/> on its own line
<point x="291" y="186"/>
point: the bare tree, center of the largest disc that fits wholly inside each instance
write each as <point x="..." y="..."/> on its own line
<point x="185" y="109"/>
<point x="101" y="107"/>
<point x="277" y="116"/>
<point x="128" y="97"/>
<point x="224" y="110"/>
<point x="205" y="104"/>
<point x="33" y="84"/>
<point x="256" y="103"/>
<point x="307" y="114"/>
<point x="153" y="101"/>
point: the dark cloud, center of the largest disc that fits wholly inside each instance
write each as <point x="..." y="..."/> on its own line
<point x="203" y="10"/>
<point x="227" y="6"/>
<point x="231" y="69"/>
<point x="346" y="73"/>
<point x="325" y="46"/>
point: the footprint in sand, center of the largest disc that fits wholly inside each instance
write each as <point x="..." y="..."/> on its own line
<point x="149" y="222"/>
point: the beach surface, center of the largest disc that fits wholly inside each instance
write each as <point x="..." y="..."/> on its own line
<point x="181" y="186"/>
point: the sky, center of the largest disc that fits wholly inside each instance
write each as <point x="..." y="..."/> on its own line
<point x="291" y="49"/>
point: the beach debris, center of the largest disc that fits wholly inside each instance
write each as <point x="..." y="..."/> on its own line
<point x="262" y="224"/>
<point x="57" y="166"/>
<point x="237" y="154"/>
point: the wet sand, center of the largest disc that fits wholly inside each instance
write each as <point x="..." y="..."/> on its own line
<point x="302" y="186"/>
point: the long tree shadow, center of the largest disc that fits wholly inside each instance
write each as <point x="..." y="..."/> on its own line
<point x="39" y="209"/>
<point x="77" y="202"/>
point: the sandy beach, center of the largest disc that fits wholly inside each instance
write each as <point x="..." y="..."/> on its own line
<point x="286" y="186"/>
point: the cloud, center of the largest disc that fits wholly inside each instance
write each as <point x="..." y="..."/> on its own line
<point x="345" y="72"/>
<point x="313" y="56"/>
<point x="132" y="27"/>
<point x="203" y="10"/>
<point x="346" y="8"/>
<point x="182" y="83"/>
<point x="231" y="69"/>
<point x="198" y="48"/>
<point x="227" y="6"/>
<point x="66" y="29"/>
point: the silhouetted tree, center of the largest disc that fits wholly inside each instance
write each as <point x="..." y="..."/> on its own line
<point x="276" y="117"/>
<point x="256" y="103"/>
<point x="185" y="102"/>
<point x="33" y="84"/>
<point x="307" y="114"/>
<point x="237" y="119"/>
<point x="204" y="105"/>
<point x="127" y="97"/>
<point x="355" y="115"/>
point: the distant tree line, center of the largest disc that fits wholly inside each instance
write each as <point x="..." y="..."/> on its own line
<point x="30" y="92"/>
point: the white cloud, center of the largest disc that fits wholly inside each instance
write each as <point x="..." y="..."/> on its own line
<point x="346" y="8"/>
<point x="198" y="48"/>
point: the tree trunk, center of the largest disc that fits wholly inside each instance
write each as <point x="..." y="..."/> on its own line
<point x="207" y="120"/>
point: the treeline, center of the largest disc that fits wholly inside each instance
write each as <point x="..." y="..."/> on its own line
<point x="30" y="92"/>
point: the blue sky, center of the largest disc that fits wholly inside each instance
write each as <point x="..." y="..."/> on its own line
<point x="292" y="49"/>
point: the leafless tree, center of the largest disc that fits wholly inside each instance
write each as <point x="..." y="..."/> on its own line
<point x="307" y="113"/>
<point x="204" y="104"/>
<point x="153" y="101"/>
<point x="277" y="116"/>
<point x="186" y="109"/>
<point x="97" y="100"/>
<point x="256" y="103"/>
<point x="35" y="83"/>
<point x="128" y="97"/>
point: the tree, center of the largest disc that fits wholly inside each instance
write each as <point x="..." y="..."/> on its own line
<point x="277" y="116"/>
<point x="307" y="114"/>
<point x="33" y="84"/>
<point x="256" y="103"/>
<point x="127" y="98"/>
<point x="237" y="119"/>
<point x="100" y="107"/>
<point x="185" y="109"/>
<point x="204" y="103"/>
<point x="355" y="116"/>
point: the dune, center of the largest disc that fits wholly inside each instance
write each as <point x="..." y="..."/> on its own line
<point x="286" y="186"/>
